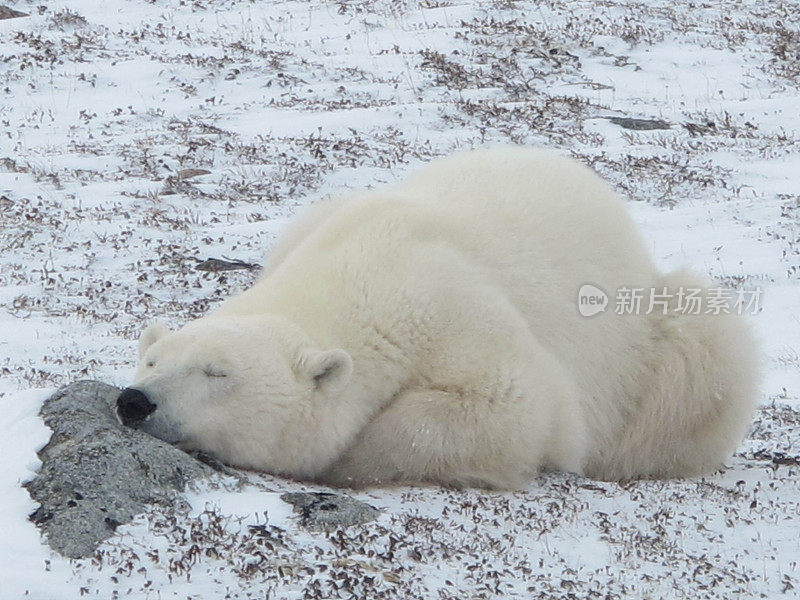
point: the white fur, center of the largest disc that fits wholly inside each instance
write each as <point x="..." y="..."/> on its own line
<point x="429" y="332"/>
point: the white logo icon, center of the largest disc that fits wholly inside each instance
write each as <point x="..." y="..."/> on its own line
<point x="591" y="300"/>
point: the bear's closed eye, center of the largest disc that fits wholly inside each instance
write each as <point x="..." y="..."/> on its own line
<point x="212" y="372"/>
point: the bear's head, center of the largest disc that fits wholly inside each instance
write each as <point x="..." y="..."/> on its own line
<point x="252" y="391"/>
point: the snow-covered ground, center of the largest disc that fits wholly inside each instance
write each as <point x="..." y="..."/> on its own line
<point x="106" y="106"/>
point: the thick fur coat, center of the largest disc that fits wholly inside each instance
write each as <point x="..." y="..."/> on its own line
<point x="430" y="332"/>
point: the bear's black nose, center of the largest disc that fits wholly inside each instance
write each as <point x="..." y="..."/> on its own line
<point x="133" y="406"/>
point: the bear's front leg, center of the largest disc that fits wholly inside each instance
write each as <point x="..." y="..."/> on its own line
<point x="496" y="434"/>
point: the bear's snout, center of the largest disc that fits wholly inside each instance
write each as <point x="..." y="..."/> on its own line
<point x="133" y="407"/>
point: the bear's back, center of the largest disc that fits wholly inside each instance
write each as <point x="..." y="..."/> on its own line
<point x="535" y="225"/>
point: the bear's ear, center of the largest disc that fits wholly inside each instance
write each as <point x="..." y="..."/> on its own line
<point x="155" y="331"/>
<point x="329" y="370"/>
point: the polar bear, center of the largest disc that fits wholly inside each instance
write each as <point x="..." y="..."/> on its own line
<point x="430" y="332"/>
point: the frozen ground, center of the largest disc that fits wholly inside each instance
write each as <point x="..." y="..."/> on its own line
<point x="140" y="138"/>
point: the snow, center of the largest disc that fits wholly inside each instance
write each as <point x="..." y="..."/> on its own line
<point x="103" y="103"/>
<point x="22" y="434"/>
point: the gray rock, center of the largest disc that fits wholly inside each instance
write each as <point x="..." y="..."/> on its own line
<point x="6" y="12"/>
<point x="326" y="511"/>
<point x="97" y="474"/>
<point x="639" y="124"/>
